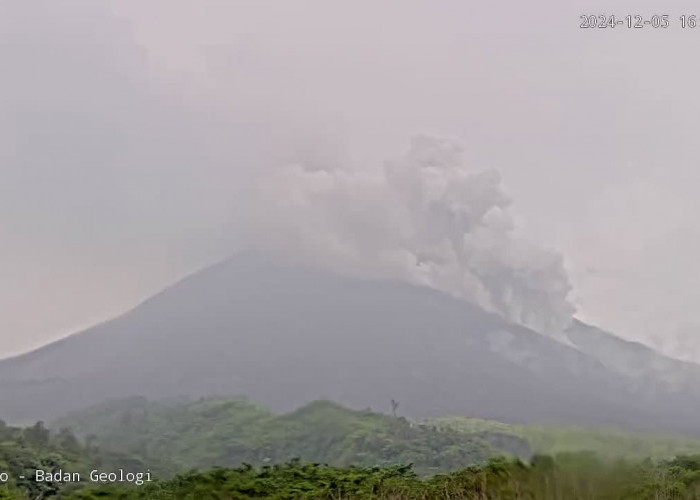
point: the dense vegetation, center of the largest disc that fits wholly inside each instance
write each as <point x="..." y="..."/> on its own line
<point x="242" y="451"/>
<point x="609" y="443"/>
<point x="25" y="450"/>
<point x="225" y="433"/>
<point x="569" y="477"/>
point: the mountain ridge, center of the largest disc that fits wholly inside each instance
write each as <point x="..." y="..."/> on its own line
<point x="285" y="334"/>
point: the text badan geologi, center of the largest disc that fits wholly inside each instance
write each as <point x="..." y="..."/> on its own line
<point x="95" y="476"/>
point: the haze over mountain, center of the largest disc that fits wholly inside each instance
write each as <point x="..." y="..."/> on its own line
<point x="130" y="130"/>
<point x="285" y="334"/>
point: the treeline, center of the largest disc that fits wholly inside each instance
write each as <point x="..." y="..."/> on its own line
<point x="566" y="477"/>
<point x="173" y="438"/>
<point x="562" y="477"/>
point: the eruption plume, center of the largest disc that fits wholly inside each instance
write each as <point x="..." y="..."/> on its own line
<point x="424" y="218"/>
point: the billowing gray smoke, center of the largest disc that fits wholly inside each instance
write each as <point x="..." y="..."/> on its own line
<point x="425" y="218"/>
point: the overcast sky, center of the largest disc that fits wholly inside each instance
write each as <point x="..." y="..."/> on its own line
<point x="128" y="130"/>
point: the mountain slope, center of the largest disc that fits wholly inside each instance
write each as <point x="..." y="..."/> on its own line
<point x="286" y="335"/>
<point x="651" y="372"/>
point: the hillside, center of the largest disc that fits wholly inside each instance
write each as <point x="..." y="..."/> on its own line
<point x="607" y="443"/>
<point x="25" y="450"/>
<point x="221" y="432"/>
<point x="225" y="433"/>
<point x="649" y="372"/>
<point x="285" y="335"/>
<point x="369" y="455"/>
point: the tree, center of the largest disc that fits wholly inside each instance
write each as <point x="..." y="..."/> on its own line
<point x="67" y="440"/>
<point x="37" y="435"/>
<point x="394" y="406"/>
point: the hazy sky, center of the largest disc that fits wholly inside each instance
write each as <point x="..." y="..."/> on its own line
<point x="128" y="130"/>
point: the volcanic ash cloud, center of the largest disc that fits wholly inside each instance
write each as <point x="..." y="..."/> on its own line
<point x="424" y="218"/>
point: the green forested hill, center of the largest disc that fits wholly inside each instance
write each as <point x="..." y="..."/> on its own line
<point x="25" y="450"/>
<point x="610" y="443"/>
<point x="173" y="437"/>
<point x="227" y="433"/>
<point x="369" y="455"/>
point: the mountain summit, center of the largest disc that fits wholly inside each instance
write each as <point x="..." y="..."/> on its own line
<point x="285" y="335"/>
